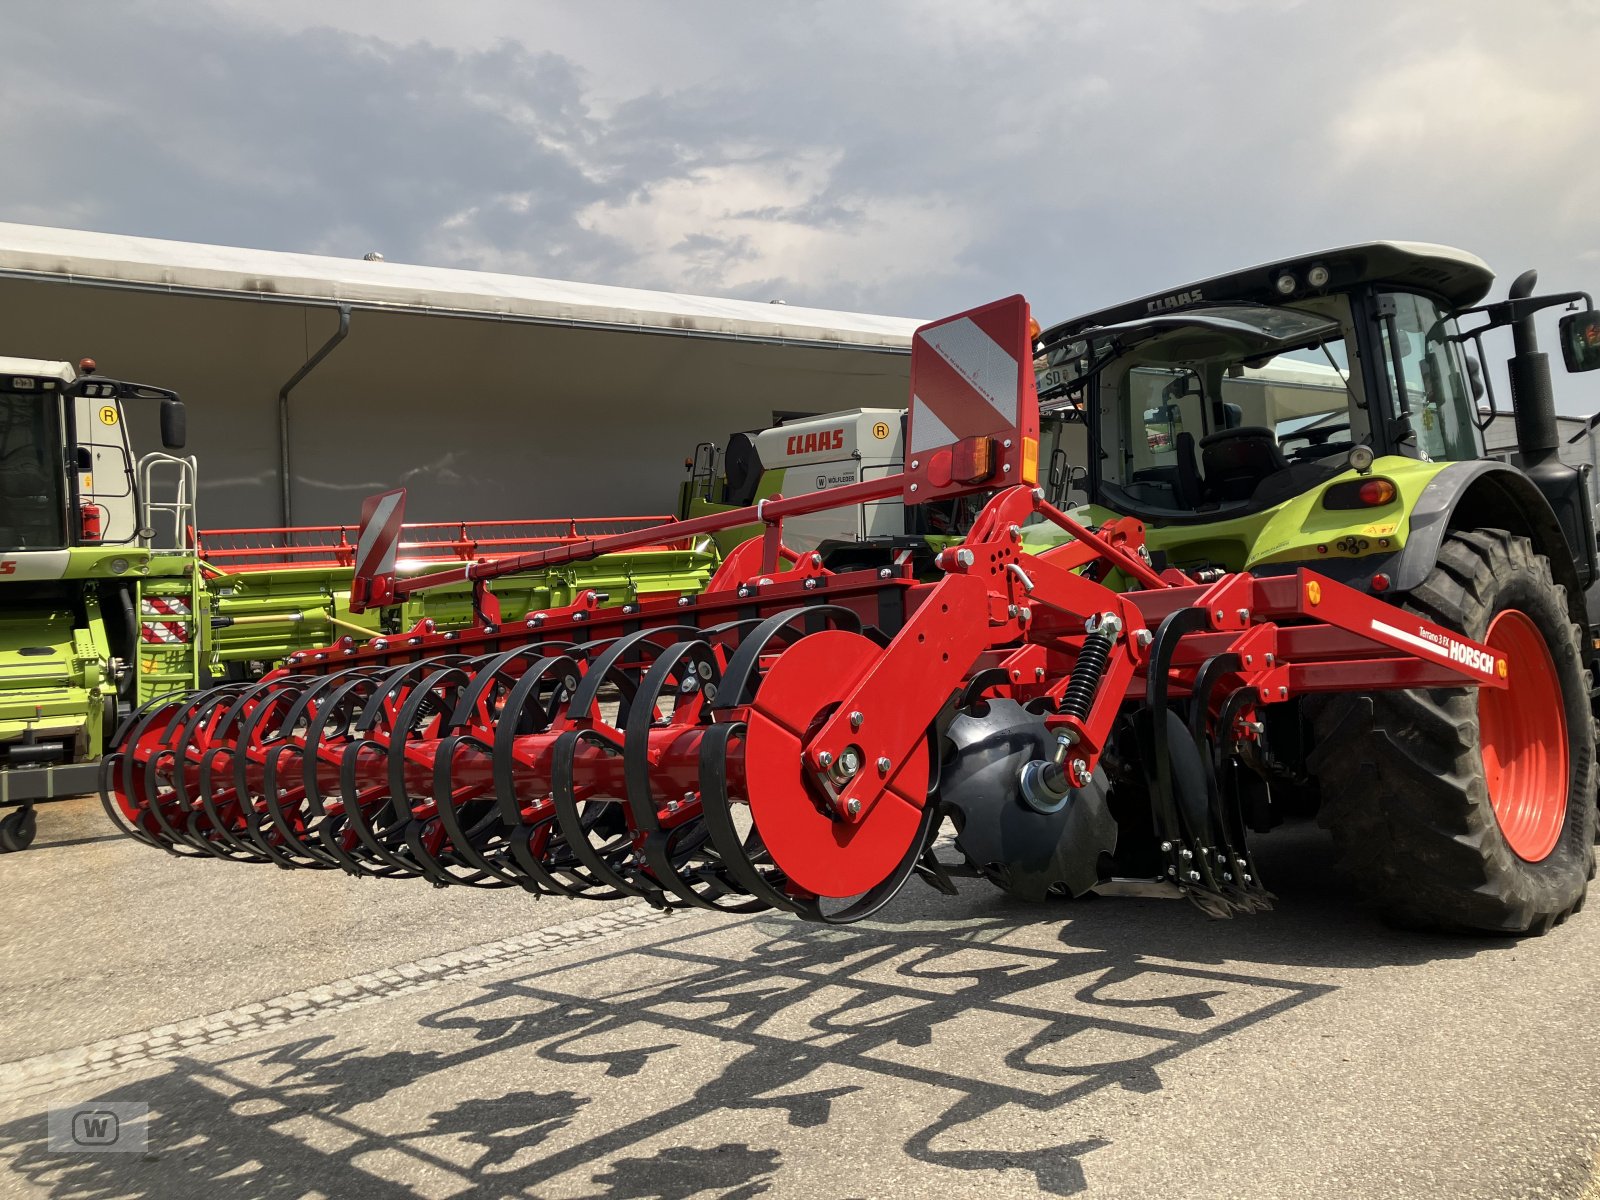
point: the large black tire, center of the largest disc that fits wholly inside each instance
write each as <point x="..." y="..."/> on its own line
<point x="1401" y="774"/>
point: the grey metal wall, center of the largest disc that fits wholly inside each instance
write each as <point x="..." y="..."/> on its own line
<point x="479" y="419"/>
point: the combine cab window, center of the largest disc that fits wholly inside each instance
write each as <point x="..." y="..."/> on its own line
<point x="1429" y="380"/>
<point x="32" y="515"/>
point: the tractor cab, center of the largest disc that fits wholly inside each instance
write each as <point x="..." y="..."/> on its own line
<point x="1234" y="394"/>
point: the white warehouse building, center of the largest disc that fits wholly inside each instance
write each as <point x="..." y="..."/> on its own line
<point x="312" y="381"/>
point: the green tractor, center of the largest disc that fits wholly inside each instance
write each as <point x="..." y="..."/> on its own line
<point x="1325" y="411"/>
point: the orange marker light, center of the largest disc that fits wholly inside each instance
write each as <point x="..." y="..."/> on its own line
<point x="1377" y="491"/>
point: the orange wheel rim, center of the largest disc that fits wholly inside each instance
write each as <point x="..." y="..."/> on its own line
<point x="1523" y="734"/>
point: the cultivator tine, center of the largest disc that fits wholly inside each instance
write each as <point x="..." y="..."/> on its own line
<point x="1233" y="869"/>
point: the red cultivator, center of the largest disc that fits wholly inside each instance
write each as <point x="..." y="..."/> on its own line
<point x="794" y="738"/>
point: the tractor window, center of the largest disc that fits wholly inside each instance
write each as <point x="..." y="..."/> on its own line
<point x="1429" y="378"/>
<point x="32" y="515"/>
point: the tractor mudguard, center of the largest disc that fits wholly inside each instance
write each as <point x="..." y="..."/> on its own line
<point x="1485" y="493"/>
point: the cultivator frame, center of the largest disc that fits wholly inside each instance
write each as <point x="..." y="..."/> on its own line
<point x="779" y="740"/>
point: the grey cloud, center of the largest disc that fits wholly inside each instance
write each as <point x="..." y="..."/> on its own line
<point x="908" y="157"/>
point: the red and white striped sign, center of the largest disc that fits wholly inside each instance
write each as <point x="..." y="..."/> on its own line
<point x="377" y="549"/>
<point x="971" y="380"/>
<point x="160" y="632"/>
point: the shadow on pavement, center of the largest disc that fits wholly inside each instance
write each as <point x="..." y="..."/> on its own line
<point x="696" y="1065"/>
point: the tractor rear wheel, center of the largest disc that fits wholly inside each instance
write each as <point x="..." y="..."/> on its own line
<point x="1465" y="810"/>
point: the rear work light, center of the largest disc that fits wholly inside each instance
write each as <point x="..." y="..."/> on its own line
<point x="1360" y="493"/>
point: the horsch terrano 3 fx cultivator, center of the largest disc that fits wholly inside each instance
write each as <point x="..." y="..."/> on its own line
<point x="792" y="738"/>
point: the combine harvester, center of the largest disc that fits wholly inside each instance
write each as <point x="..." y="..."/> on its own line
<point x="100" y="611"/>
<point x="1345" y="607"/>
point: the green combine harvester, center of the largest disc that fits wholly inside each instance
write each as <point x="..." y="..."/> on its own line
<point x="109" y="597"/>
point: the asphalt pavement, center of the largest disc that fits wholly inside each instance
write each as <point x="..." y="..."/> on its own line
<point x="306" y="1034"/>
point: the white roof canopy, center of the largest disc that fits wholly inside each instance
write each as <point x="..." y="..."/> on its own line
<point x="229" y="272"/>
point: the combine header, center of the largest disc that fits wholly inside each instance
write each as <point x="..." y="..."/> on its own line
<point x="793" y="738"/>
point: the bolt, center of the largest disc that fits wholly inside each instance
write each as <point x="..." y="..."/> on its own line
<point x="1226" y="877"/>
<point x="1249" y="660"/>
<point x="764" y="581"/>
<point x="1008" y="443"/>
<point x="1194" y="876"/>
<point x="1012" y="610"/>
<point x="883" y="765"/>
<point x="1219" y="614"/>
<point x="913" y="486"/>
<point x="1016" y="534"/>
<point x="825" y="759"/>
<point x="1248" y="879"/>
<point x="1081" y="775"/>
<point x="1172" y="870"/>
<point x="683" y="602"/>
<point x="1270" y="660"/>
<point x="578" y="616"/>
<point x="1006" y="470"/>
<point x="1186" y="853"/>
<point x="710" y="691"/>
<point x="1024" y="614"/>
<point x="689" y="684"/>
<point x="1143" y="638"/>
<point x="743" y="591"/>
<point x="850" y="761"/>
<point x="856" y="718"/>
<point x="964" y="557"/>
<point x="853" y="807"/>
<point x="816" y="559"/>
<point x="811" y="585"/>
<point x="885" y="573"/>
<point x="913" y="464"/>
<point x="1244" y="615"/>
<point x="1038" y="673"/>
<point x="1166" y="847"/>
<point x="1283" y="693"/>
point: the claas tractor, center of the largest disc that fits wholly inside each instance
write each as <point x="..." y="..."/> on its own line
<point x="1239" y="558"/>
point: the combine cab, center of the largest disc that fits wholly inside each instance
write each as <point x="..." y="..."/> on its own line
<point x="1103" y="700"/>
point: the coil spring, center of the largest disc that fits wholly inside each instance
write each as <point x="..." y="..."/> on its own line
<point x="1087" y="673"/>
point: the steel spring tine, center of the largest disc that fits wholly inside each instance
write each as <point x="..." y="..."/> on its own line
<point x="354" y="816"/>
<point x="1261" y="899"/>
<point x="574" y="830"/>
<point x="345" y="701"/>
<point x="149" y="783"/>
<point x="205" y="830"/>
<point x="607" y="666"/>
<point x="477" y="848"/>
<point x="735" y="688"/>
<point x="245" y="851"/>
<point x="489" y="666"/>
<point x="735" y="849"/>
<point x="541" y="848"/>
<point x="267" y="711"/>
<point x="388" y="687"/>
<point x="120" y="795"/>
<point x="668" y="851"/>
<point x="342" y="702"/>
<point x="409" y="716"/>
<point x="1170" y="822"/>
<point x="1206" y="681"/>
<point x="521" y="700"/>
<point x="317" y="858"/>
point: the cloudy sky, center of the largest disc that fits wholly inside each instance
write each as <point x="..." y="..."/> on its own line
<point x="902" y="156"/>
